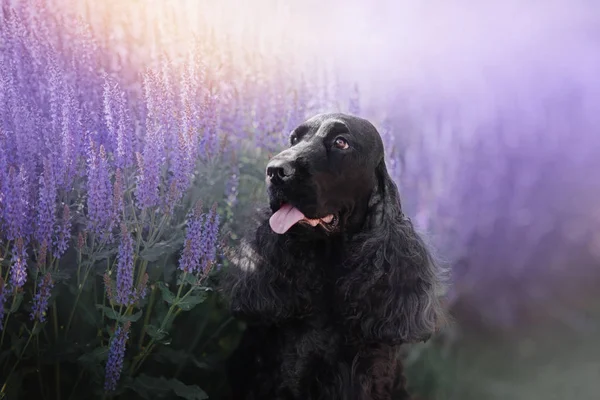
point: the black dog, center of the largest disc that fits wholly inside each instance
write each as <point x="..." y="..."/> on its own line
<point x="334" y="279"/>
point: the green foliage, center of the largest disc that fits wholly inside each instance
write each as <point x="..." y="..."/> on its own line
<point x="179" y="334"/>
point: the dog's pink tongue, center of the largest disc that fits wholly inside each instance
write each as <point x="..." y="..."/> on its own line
<point x="285" y="218"/>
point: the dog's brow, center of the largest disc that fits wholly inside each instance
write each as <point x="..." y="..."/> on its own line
<point x="333" y="126"/>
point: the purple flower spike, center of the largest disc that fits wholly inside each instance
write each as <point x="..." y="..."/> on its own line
<point x="116" y="119"/>
<point x="118" y="203"/>
<point x="210" y="237"/>
<point x="116" y="354"/>
<point x="16" y="206"/>
<point x="40" y="301"/>
<point x="100" y="213"/>
<point x="63" y="233"/>
<point x="125" y="293"/>
<point x="190" y="257"/>
<point x="18" y="271"/>
<point x="142" y="288"/>
<point x="47" y="205"/>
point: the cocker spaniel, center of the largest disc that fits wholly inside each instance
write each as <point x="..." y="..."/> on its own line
<point x="334" y="278"/>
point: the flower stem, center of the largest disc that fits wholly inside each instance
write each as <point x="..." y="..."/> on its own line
<point x="142" y="357"/>
<point x="147" y="316"/>
<point x="3" y="391"/>
<point x="79" y="291"/>
<point x="57" y="364"/>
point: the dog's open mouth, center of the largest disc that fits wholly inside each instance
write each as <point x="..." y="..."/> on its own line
<point x="287" y="216"/>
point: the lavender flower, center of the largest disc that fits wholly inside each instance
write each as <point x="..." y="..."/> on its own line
<point x="149" y="162"/>
<point x="148" y="178"/>
<point x="116" y="119"/>
<point x="46" y="207"/>
<point x="40" y="301"/>
<point x="209" y="142"/>
<point x="125" y="293"/>
<point x="118" y="203"/>
<point x="42" y="255"/>
<point x="190" y="257"/>
<point x="140" y="291"/>
<point x="63" y="233"/>
<point x="18" y="271"/>
<point x="116" y="354"/>
<point x="15" y="204"/>
<point x="110" y="295"/>
<point x="100" y="213"/>
<point x="72" y="139"/>
<point x="210" y="237"/>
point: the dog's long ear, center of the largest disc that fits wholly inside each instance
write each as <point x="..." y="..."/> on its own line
<point x="393" y="283"/>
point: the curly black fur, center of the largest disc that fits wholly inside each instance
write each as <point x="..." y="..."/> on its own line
<point x="327" y="307"/>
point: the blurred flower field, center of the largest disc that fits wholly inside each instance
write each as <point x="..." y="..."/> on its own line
<point x="133" y="139"/>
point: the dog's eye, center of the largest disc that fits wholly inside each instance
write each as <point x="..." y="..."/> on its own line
<point x="293" y="139"/>
<point x="341" y="143"/>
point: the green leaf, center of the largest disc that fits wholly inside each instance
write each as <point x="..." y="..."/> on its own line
<point x="109" y="312"/>
<point x="102" y="255"/>
<point x="17" y="302"/>
<point x="148" y="387"/>
<point x="167" y="295"/>
<point x="189" y="279"/>
<point x="168" y="354"/>
<point x="60" y="276"/>
<point x="95" y="357"/>
<point x="132" y="317"/>
<point x="189" y="392"/>
<point x="113" y="314"/>
<point x="190" y="302"/>
<point x="156" y="333"/>
<point x="154" y="387"/>
<point x="160" y="249"/>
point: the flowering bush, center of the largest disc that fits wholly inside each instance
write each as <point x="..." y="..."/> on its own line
<point x="115" y="207"/>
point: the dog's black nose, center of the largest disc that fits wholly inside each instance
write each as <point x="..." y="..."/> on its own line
<point x="280" y="171"/>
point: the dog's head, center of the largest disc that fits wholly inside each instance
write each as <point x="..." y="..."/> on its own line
<point x="324" y="180"/>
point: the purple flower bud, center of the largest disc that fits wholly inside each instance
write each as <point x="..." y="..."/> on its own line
<point x="40" y="300"/>
<point x="116" y="354"/>
<point x="125" y="295"/>
<point x="18" y="271"/>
